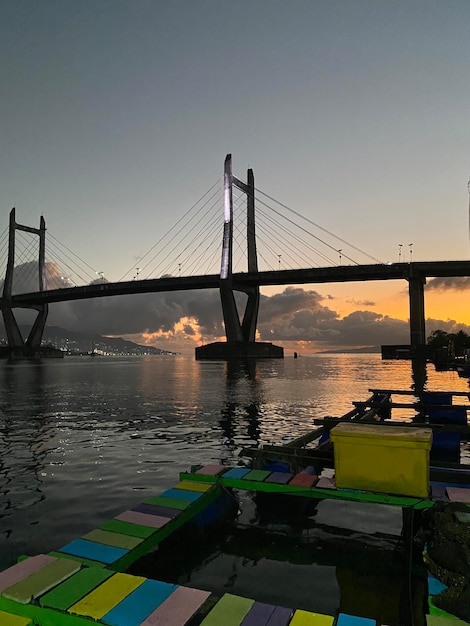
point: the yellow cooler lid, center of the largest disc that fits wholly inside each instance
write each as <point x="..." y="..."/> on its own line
<point x="385" y="432"/>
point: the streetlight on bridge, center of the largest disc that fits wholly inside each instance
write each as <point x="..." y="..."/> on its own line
<point x="410" y="245"/>
<point x="400" y="246"/>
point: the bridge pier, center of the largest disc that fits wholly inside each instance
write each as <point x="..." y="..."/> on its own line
<point x="241" y="336"/>
<point x="417" y="316"/>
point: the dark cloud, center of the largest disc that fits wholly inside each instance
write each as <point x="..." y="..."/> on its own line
<point x="296" y="314"/>
<point x="456" y="283"/>
<point x="361" y="302"/>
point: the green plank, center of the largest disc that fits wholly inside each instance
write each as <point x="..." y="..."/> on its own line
<point x="41" y="581"/>
<point x="171" y="503"/>
<point x="230" y="610"/>
<point x="126" y="528"/>
<point x="112" y="539"/>
<point x="75" y="588"/>
<point x="256" y="475"/>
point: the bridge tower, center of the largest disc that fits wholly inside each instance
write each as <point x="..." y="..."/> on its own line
<point x="241" y="335"/>
<point x="17" y="346"/>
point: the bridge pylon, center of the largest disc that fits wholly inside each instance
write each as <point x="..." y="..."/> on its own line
<point x="17" y="346"/>
<point x="241" y="335"/>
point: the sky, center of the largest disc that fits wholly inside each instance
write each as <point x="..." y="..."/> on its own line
<point x="116" y="116"/>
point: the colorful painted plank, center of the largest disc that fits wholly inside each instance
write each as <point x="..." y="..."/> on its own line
<point x="134" y="517"/>
<point x="280" y="617"/>
<point x="7" y="619"/>
<point x="139" y="604"/>
<point x="105" y="597"/>
<point x="78" y="559"/>
<point x="256" y="475"/>
<point x="303" y="480"/>
<point x="435" y="587"/>
<point x="306" y="618"/>
<point x="181" y="494"/>
<point x="126" y="528"/>
<point x="439" y="620"/>
<point x="211" y="470"/>
<point x="178" y="608"/>
<point x="236" y="472"/>
<point x="192" y="485"/>
<point x="41" y="581"/>
<point x="230" y="610"/>
<point x="94" y="551"/>
<point x="280" y="478"/>
<point x="171" y="503"/>
<point x="456" y="494"/>
<point x="75" y="588"/>
<point x="21" y="570"/>
<point x="344" y="619"/>
<point x="112" y="539"/>
<point x="161" y="511"/>
<point x="258" y="615"/>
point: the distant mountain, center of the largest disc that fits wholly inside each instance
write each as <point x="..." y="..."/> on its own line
<point x="365" y="350"/>
<point x="77" y="342"/>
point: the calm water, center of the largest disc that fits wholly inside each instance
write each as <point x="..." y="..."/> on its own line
<point x="83" y="439"/>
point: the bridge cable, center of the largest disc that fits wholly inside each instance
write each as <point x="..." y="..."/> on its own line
<point x="208" y="211"/>
<point x="172" y="228"/>
<point x="317" y="226"/>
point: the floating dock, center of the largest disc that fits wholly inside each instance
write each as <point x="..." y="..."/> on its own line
<point x="85" y="582"/>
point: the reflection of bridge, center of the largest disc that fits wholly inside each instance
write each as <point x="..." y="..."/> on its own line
<point x="240" y="333"/>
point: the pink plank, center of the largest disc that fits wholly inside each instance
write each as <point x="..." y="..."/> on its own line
<point x="458" y="494"/>
<point x="19" y="571"/>
<point x="211" y="470"/>
<point x="178" y="608"/>
<point x="134" y="517"/>
<point x="326" y="483"/>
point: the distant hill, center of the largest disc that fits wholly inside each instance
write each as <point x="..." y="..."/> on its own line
<point x="365" y="350"/>
<point x="77" y="342"/>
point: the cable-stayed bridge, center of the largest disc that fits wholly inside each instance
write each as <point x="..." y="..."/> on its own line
<point x="279" y="247"/>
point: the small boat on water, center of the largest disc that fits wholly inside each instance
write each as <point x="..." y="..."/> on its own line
<point x="154" y="564"/>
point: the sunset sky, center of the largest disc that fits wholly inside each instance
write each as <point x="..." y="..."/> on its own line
<point x="116" y="117"/>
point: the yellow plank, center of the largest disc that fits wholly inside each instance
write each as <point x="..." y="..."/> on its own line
<point x="305" y="618"/>
<point x="7" y="619"/>
<point x="106" y="596"/>
<point x="190" y="485"/>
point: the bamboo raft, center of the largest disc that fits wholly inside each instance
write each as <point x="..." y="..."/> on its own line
<point x="86" y="582"/>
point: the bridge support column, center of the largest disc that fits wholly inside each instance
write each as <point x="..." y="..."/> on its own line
<point x="241" y="336"/>
<point x="417" y="316"/>
<point x="16" y="345"/>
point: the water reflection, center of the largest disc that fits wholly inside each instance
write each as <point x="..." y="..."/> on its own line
<point x="419" y="375"/>
<point x="243" y="401"/>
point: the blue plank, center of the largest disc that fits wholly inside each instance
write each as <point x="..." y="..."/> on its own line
<point x="94" y="551"/>
<point x="137" y="606"/>
<point x="236" y="472"/>
<point x="351" y="620"/>
<point x="181" y="494"/>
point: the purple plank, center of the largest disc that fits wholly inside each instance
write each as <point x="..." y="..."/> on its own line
<point x="21" y="570"/>
<point x="258" y="615"/>
<point x="152" y="509"/>
<point x="280" y="478"/>
<point x="280" y="617"/>
<point x="134" y="517"/>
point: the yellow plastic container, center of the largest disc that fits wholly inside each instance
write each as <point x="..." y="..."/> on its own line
<point x="384" y="459"/>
